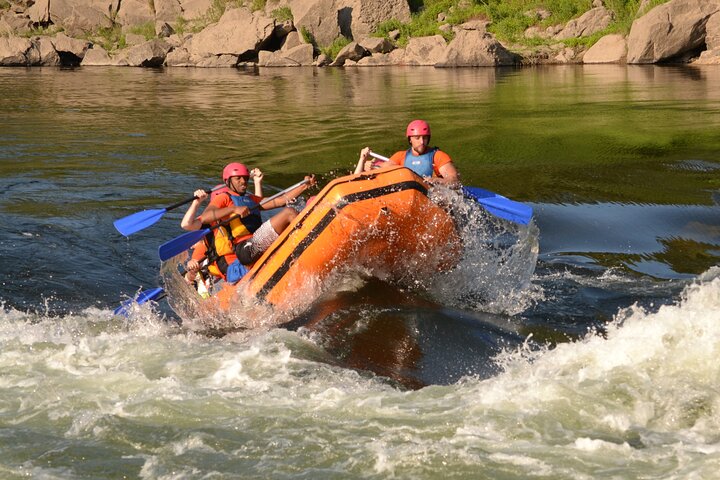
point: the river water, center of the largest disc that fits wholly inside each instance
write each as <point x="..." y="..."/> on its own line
<point x="602" y="364"/>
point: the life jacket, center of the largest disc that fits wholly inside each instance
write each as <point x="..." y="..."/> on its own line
<point x="420" y="164"/>
<point x="238" y="229"/>
<point x="226" y="267"/>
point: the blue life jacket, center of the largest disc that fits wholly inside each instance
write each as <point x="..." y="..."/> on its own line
<point x="420" y="164"/>
<point x="253" y="221"/>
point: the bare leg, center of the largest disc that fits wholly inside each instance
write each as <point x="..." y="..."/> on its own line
<point x="281" y="220"/>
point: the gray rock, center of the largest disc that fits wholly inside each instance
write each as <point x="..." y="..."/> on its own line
<point x="297" y="56"/>
<point x="48" y="55"/>
<point x="592" y="21"/>
<point x="712" y="32"/>
<point x="609" y="49"/>
<point x="239" y="32"/>
<point x="163" y="29"/>
<point x="424" y="50"/>
<point x="376" y="45"/>
<point x="65" y="45"/>
<point x="150" y="54"/>
<point x="97" y="56"/>
<point x="135" y="12"/>
<point x="14" y="51"/>
<point x="670" y="30"/>
<point x="472" y="48"/>
<point x="353" y="51"/>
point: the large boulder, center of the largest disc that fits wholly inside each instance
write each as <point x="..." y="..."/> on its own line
<point x="473" y="48"/>
<point x="135" y="12"/>
<point x="318" y="17"/>
<point x="326" y="20"/>
<point x="350" y="52"/>
<point x="377" y="45"/>
<point x="14" y="23"/>
<point x="70" y="50"/>
<point x="46" y="49"/>
<point x="358" y="18"/>
<point x="670" y="30"/>
<point x="167" y="10"/>
<point x="97" y="56"/>
<point x="712" y="32"/>
<point x="14" y="51"/>
<point x="194" y="9"/>
<point x="75" y="17"/>
<point x="239" y="33"/>
<point x="609" y="49"/>
<point x="296" y="56"/>
<point x="39" y="12"/>
<point x="149" y="54"/>
<point x="424" y="51"/>
<point x="592" y="21"/>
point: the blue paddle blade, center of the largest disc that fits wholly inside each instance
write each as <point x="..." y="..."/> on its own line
<point x="500" y="206"/>
<point x="181" y="244"/>
<point x="137" y="221"/>
<point x="142" y="297"/>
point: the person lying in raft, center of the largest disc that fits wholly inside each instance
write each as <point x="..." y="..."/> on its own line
<point x="242" y="236"/>
<point x="432" y="164"/>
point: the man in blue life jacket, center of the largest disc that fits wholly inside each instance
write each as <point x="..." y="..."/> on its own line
<point x="432" y="164"/>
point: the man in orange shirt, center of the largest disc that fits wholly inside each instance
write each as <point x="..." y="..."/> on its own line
<point x="245" y="237"/>
<point x="430" y="163"/>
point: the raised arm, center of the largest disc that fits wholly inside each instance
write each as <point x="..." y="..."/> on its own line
<point x="257" y="175"/>
<point x="284" y="199"/>
<point x="190" y="221"/>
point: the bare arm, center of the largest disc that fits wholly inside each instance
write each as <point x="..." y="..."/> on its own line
<point x="283" y="200"/>
<point x="189" y="221"/>
<point x="364" y="156"/>
<point x="448" y="175"/>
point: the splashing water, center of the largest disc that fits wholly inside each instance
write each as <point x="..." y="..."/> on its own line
<point x="497" y="264"/>
<point x="493" y="273"/>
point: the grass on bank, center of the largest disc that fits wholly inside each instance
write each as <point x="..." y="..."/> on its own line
<point x="510" y="18"/>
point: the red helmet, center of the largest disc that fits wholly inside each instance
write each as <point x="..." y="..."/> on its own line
<point x="235" y="170"/>
<point x="417" y="127"/>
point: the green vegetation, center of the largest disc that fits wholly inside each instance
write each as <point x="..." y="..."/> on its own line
<point x="307" y="36"/>
<point x="257" y="5"/>
<point x="41" y="31"/>
<point x="146" y="29"/>
<point x="282" y="14"/>
<point x="213" y="14"/>
<point x="110" y="38"/>
<point x="334" y="48"/>
<point x="4" y="5"/>
<point x="509" y="18"/>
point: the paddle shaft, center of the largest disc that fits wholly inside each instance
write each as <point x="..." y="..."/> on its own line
<point x="379" y="157"/>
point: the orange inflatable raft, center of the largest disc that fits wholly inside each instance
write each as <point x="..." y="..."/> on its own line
<point x="381" y="221"/>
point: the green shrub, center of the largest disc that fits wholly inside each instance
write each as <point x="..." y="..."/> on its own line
<point x="257" y="5"/>
<point x="334" y="48"/>
<point x="110" y="38"/>
<point x="282" y="14"/>
<point x="509" y="18"/>
<point x="146" y="29"/>
<point x="307" y="36"/>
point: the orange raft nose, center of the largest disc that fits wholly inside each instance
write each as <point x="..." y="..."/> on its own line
<point x="380" y="221"/>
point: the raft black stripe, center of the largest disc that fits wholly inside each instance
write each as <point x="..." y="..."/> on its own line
<point x="326" y="220"/>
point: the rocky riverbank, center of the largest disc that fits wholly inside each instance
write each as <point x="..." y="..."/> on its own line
<point x="222" y="33"/>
